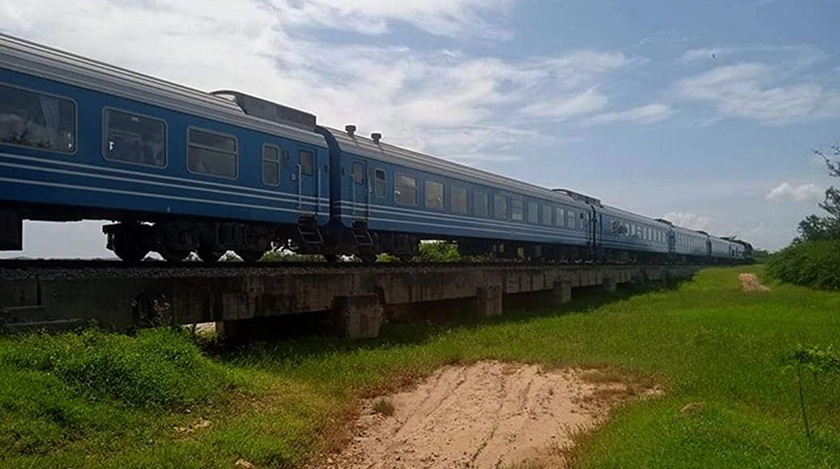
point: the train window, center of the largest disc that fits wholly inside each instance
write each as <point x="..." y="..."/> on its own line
<point x="131" y="138"/>
<point x="37" y="120"/>
<point x="458" y="201"/>
<point x="212" y="153"/>
<point x="501" y="207"/>
<point x="481" y="202"/>
<point x="546" y="214"/>
<point x="358" y="173"/>
<point x="533" y="212"/>
<point x="571" y="219"/>
<point x="516" y="209"/>
<point x="270" y="165"/>
<point x="405" y="190"/>
<point x="434" y="194"/>
<point x="379" y="182"/>
<point x="307" y="162"/>
<point x="559" y="216"/>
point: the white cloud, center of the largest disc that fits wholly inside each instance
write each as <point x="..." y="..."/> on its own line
<point x="746" y="90"/>
<point x="689" y="220"/>
<point x="568" y="106"/>
<point x="441" y="17"/>
<point x="642" y="115"/>
<point x="427" y="100"/>
<point x="790" y="58"/>
<point x="695" y="55"/>
<point x="786" y="192"/>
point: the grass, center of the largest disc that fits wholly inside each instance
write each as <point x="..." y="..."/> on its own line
<point x="99" y="400"/>
<point x="384" y="407"/>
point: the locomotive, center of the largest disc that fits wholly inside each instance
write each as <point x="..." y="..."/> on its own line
<point x="177" y="171"/>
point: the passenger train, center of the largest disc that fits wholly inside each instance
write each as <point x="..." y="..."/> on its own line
<point x="179" y="171"/>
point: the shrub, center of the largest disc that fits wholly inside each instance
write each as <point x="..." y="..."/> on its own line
<point x="159" y="368"/>
<point x="812" y="263"/>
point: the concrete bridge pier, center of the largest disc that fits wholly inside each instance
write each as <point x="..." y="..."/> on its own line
<point x="357" y="317"/>
<point x="489" y="301"/>
<point x="561" y="293"/>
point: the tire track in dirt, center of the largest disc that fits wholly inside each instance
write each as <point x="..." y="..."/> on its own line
<point x="486" y="415"/>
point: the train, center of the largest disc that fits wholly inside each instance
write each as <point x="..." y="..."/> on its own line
<point x="177" y="171"/>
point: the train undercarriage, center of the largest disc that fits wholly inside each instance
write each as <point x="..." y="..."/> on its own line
<point x="175" y="239"/>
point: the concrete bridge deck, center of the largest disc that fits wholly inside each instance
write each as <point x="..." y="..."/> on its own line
<point x="355" y="297"/>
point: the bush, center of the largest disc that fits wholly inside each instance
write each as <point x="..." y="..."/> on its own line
<point x="159" y="368"/>
<point x="814" y="264"/>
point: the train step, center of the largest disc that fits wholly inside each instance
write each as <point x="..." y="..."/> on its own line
<point x="309" y="232"/>
<point x="362" y="236"/>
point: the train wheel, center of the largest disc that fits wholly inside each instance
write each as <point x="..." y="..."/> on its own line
<point x="250" y="256"/>
<point x="208" y="255"/>
<point x="127" y="249"/>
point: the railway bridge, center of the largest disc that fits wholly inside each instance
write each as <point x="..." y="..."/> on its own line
<point x="353" y="299"/>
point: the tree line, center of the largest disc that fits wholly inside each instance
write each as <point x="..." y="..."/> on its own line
<point x="813" y="259"/>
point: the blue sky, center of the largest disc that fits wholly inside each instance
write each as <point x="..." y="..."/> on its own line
<point x="704" y="112"/>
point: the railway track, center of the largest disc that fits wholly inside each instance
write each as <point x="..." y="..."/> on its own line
<point x="21" y="269"/>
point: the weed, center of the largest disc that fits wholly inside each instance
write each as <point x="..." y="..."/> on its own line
<point x="384" y="407"/>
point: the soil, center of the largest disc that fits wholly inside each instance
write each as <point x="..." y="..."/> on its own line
<point x="749" y="282"/>
<point x="486" y="415"/>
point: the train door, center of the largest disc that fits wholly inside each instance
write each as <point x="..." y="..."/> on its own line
<point x="308" y="174"/>
<point x="596" y="223"/>
<point x="708" y="247"/>
<point x="360" y="189"/>
<point x="672" y="242"/>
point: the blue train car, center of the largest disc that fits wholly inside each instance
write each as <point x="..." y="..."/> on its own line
<point x="390" y="198"/>
<point x="179" y="170"/>
<point x="623" y="234"/>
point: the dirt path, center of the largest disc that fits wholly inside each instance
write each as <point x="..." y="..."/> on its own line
<point x="487" y="415"/>
<point x="749" y="282"/>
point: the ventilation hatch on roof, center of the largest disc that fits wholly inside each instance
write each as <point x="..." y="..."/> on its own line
<point x="267" y="110"/>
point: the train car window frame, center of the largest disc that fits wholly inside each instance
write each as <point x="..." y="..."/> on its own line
<point x="75" y="135"/>
<point x="235" y="154"/>
<point x="437" y="203"/>
<point x="398" y="186"/>
<point x="106" y="133"/>
<point x="308" y="168"/>
<point x="560" y="217"/>
<point x="485" y="207"/>
<point x="517" y="209"/>
<point x="533" y="218"/>
<point x="380" y="183"/>
<point x="546" y="211"/>
<point x="276" y="161"/>
<point x="500" y="202"/>
<point x="458" y="204"/>
<point x="358" y="170"/>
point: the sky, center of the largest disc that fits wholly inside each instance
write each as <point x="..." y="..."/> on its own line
<point x="705" y="112"/>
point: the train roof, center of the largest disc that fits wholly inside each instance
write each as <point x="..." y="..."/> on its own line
<point x="363" y="146"/>
<point x="34" y="59"/>
<point x="615" y="211"/>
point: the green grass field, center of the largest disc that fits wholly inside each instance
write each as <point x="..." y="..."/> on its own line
<point x="100" y="400"/>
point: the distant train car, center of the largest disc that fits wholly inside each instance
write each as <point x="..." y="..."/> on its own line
<point x="625" y="235"/>
<point x="391" y="198"/>
<point x="179" y="170"/>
